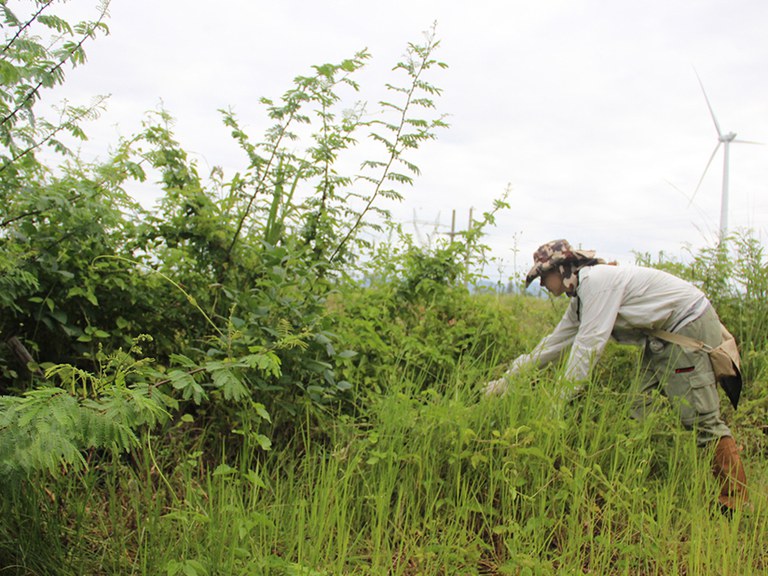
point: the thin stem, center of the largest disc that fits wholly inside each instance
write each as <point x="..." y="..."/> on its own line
<point x="87" y="34"/>
<point x="26" y="25"/>
<point x="53" y="133"/>
<point x="259" y="188"/>
<point x="393" y="156"/>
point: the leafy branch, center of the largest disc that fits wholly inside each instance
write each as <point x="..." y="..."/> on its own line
<point x="418" y="61"/>
<point x="11" y="18"/>
<point x="71" y="52"/>
<point x="76" y="115"/>
<point x="191" y="299"/>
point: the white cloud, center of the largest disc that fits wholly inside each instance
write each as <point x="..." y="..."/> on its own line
<point x="590" y="110"/>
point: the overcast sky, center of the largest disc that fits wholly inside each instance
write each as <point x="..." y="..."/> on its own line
<point x="590" y="110"/>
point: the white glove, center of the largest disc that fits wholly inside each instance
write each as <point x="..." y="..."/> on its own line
<point x="496" y="387"/>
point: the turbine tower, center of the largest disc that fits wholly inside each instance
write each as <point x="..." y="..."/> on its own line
<point x="726" y="140"/>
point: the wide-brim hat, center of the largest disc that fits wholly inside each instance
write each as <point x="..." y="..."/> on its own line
<point x="552" y="254"/>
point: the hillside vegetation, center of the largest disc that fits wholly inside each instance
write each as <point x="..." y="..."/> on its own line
<point x="241" y="381"/>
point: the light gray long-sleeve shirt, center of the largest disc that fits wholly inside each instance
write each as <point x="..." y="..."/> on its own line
<point x="622" y="302"/>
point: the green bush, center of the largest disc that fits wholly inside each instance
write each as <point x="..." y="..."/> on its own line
<point x="228" y="276"/>
<point x="414" y="317"/>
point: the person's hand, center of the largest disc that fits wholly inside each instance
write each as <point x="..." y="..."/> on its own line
<point x="496" y="387"/>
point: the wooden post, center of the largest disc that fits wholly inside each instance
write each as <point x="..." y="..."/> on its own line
<point x="466" y="254"/>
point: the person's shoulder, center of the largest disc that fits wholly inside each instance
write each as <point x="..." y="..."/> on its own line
<point x="601" y="271"/>
<point x="613" y="275"/>
<point x="601" y="277"/>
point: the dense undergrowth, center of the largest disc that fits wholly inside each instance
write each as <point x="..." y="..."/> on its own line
<point x="240" y="382"/>
<point x="427" y="479"/>
<point x="424" y="476"/>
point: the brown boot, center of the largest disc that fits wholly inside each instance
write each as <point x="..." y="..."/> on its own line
<point x="729" y="471"/>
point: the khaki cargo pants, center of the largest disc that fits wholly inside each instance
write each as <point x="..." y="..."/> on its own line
<point x="686" y="378"/>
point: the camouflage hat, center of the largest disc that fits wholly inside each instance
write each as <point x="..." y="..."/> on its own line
<point x="553" y="254"/>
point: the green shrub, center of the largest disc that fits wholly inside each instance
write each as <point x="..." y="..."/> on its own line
<point x="229" y="276"/>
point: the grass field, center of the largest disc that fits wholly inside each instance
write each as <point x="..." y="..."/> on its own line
<point x="423" y="482"/>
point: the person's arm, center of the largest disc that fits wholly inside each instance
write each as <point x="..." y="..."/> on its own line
<point x="600" y="303"/>
<point x="550" y="348"/>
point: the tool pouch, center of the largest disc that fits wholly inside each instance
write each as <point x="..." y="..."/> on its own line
<point x="725" y="359"/>
<point x="726" y="364"/>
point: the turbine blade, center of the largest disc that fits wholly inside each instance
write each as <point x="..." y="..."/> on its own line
<point x="709" y="163"/>
<point x="690" y="200"/>
<point x="679" y="190"/>
<point x="711" y="112"/>
<point x="749" y="142"/>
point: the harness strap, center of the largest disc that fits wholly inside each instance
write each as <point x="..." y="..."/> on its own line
<point x="680" y="340"/>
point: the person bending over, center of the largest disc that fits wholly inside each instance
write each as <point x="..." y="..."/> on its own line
<point x="628" y="303"/>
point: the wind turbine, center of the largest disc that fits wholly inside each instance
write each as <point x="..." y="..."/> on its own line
<point x="726" y="140"/>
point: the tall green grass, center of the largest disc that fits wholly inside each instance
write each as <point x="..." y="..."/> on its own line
<point x="426" y="482"/>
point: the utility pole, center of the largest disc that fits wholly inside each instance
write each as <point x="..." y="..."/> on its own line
<point x="466" y="254"/>
<point x="454" y="233"/>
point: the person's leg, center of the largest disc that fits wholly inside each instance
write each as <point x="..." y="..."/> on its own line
<point x="692" y="388"/>
<point x="729" y="472"/>
<point x="653" y="364"/>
